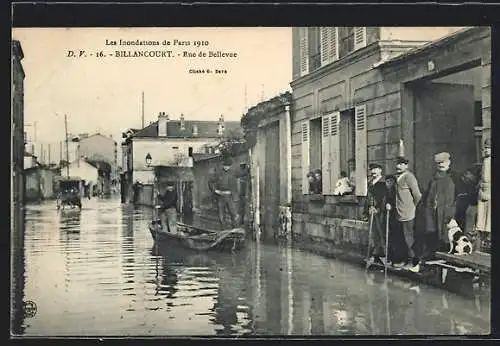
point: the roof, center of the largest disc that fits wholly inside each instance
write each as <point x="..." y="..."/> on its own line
<point x="197" y="157"/>
<point x="433" y="44"/>
<point x="206" y="129"/>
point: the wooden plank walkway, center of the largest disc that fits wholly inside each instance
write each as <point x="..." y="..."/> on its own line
<point x="476" y="260"/>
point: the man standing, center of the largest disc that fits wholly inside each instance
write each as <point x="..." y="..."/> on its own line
<point x="408" y="195"/>
<point x="375" y="206"/>
<point x="439" y="204"/>
<point x="483" y="225"/>
<point x="168" y="208"/>
<point x="225" y="189"/>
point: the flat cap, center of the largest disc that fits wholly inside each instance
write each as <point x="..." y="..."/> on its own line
<point x="374" y="165"/>
<point x="402" y="159"/>
<point x="441" y="157"/>
<point x="227" y="161"/>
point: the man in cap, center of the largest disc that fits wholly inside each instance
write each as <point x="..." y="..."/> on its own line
<point x="225" y="189"/>
<point x="168" y="208"/>
<point x="408" y="195"/>
<point x="439" y="204"/>
<point x="483" y="225"/>
<point x="375" y="205"/>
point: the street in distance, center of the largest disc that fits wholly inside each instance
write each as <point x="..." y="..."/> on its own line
<point x="207" y="71"/>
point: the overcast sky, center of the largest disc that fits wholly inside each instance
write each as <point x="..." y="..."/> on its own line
<point x="104" y="94"/>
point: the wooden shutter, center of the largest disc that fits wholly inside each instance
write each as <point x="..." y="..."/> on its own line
<point x="304" y="51"/>
<point x="325" y="154"/>
<point x="329" y="44"/>
<point x="305" y="156"/>
<point x="359" y="37"/>
<point x="334" y="148"/>
<point x="361" y="152"/>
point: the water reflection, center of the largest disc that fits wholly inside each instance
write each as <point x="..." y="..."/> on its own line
<point x="97" y="272"/>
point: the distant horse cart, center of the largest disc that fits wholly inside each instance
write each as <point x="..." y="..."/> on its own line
<point x="70" y="193"/>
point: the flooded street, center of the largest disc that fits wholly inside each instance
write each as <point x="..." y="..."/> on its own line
<point x="97" y="273"/>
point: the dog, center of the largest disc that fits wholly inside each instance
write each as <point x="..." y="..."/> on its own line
<point x="459" y="242"/>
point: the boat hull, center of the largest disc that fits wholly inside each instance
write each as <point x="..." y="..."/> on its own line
<point x="200" y="240"/>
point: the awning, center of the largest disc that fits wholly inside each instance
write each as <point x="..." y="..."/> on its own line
<point x="169" y="173"/>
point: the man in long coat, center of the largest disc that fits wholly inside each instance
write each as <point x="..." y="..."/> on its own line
<point x="484" y="202"/>
<point x="439" y="204"/>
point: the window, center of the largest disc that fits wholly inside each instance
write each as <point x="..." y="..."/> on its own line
<point x="347" y="141"/>
<point x="303" y="51"/>
<point x="329" y="45"/>
<point x="315" y="144"/>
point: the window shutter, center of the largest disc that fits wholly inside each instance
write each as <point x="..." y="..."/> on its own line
<point x="324" y="45"/>
<point x="361" y="152"/>
<point x="359" y="37"/>
<point x="334" y="148"/>
<point x="305" y="156"/>
<point x="329" y="44"/>
<point x="334" y="44"/>
<point x="325" y="154"/>
<point x="304" y="51"/>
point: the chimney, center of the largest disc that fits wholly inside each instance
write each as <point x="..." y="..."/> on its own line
<point x="162" y="124"/>
<point x="220" y="129"/>
<point x="195" y="130"/>
<point x="183" y="124"/>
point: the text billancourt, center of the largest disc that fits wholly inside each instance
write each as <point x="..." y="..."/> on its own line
<point x="166" y="54"/>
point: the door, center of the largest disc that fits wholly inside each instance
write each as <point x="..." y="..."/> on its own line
<point x="271" y="195"/>
<point x="444" y="121"/>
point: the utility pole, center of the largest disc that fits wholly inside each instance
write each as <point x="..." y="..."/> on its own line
<point x="67" y="149"/>
<point x="143" y="109"/>
<point x="49" y="155"/>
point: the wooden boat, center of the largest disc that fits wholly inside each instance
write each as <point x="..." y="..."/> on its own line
<point x="199" y="239"/>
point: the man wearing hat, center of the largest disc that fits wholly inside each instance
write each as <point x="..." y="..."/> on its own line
<point x="375" y="205"/>
<point x="439" y="204"/>
<point x="483" y="225"/>
<point x="408" y="196"/>
<point x="225" y="189"/>
<point x="168" y="208"/>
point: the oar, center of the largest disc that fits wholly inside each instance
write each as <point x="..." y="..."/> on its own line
<point x="388" y="207"/>
<point x="369" y="240"/>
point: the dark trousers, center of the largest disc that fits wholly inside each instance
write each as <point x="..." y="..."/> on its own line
<point x="397" y="243"/>
<point x="378" y="235"/>
<point x="226" y="203"/>
<point x="408" y="229"/>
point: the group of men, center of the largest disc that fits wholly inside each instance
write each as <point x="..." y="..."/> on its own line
<point x="418" y="222"/>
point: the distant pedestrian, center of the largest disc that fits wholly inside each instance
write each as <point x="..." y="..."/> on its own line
<point x="408" y="196"/>
<point x="375" y="206"/>
<point x="439" y="204"/>
<point x="226" y="190"/>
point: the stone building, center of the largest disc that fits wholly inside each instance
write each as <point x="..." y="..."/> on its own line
<point x="169" y="143"/>
<point x="368" y="94"/>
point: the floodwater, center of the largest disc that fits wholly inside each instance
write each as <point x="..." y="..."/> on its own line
<point x="97" y="273"/>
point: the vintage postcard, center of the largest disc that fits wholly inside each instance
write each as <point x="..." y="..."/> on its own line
<point x="249" y="181"/>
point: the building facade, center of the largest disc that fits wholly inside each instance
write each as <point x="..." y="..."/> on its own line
<point x="363" y="95"/>
<point x="18" y="138"/>
<point x="98" y="147"/>
<point x="169" y="143"/>
<point x="268" y="134"/>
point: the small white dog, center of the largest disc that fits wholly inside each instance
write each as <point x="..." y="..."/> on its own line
<point x="459" y="243"/>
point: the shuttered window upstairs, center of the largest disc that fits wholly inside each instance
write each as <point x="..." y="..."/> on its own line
<point x="305" y="156"/>
<point x="334" y="149"/>
<point x="359" y="37"/>
<point x="329" y="43"/>
<point x="304" y="51"/>
<point x="361" y="152"/>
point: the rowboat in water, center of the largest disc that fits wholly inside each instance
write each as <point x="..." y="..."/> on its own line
<point x="200" y="239"/>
